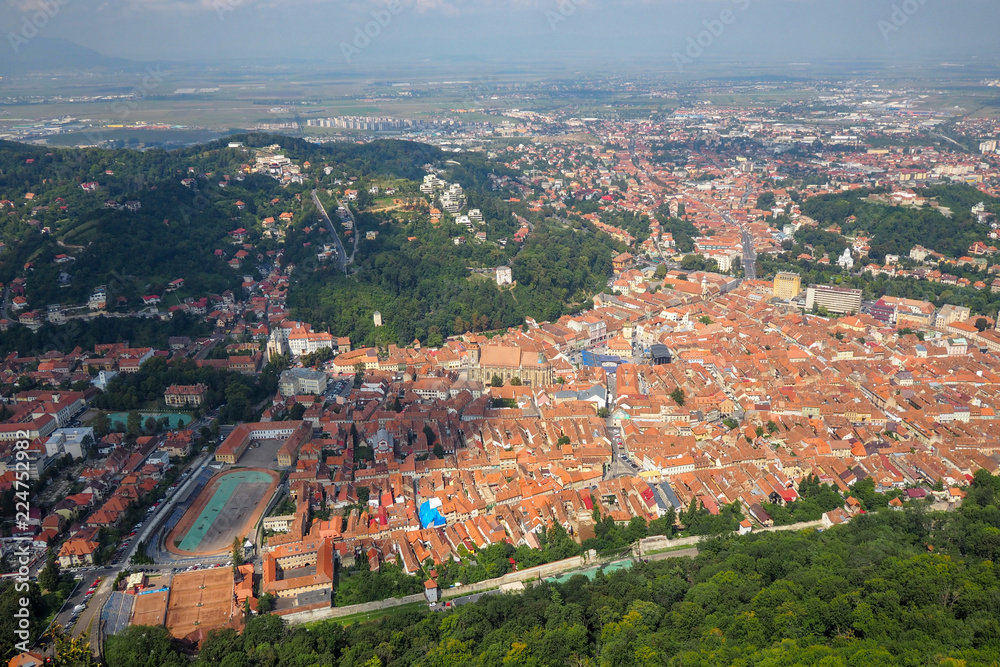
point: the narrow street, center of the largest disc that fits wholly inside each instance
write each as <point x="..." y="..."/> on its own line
<point x="749" y="255"/>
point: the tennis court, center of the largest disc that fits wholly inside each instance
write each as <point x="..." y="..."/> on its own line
<point x="200" y="600"/>
<point x="150" y="607"/>
<point x="225" y="509"/>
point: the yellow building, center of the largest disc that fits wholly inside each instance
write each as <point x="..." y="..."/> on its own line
<point x="787" y="285"/>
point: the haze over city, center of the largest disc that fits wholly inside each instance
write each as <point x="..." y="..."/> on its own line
<point x="585" y="32"/>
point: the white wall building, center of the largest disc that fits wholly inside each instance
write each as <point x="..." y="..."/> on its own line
<point x="504" y="276"/>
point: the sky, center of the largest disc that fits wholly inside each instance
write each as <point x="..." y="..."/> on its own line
<point x="591" y="33"/>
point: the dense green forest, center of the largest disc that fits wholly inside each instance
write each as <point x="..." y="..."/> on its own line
<point x="896" y="229"/>
<point x="358" y="584"/>
<point x="891" y="588"/>
<point x="683" y="231"/>
<point x="822" y="242"/>
<point x="635" y="224"/>
<point x="424" y="289"/>
<point x="560" y="266"/>
<point x="176" y="230"/>
<point x="144" y="389"/>
<point x="138" y="332"/>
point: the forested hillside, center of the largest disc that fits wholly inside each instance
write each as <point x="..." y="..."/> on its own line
<point x="421" y="283"/>
<point x="176" y="228"/>
<point x="890" y="588"/>
<point x="896" y="230"/>
<point x="68" y="231"/>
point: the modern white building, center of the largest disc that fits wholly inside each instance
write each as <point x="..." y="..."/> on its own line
<point x="834" y="299"/>
<point x="68" y="441"/>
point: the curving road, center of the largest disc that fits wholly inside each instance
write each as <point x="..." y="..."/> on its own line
<point x="89" y="621"/>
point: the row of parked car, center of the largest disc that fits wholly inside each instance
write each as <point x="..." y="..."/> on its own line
<point x="624" y="458"/>
<point x="155" y="506"/>
<point x="78" y="609"/>
<point x="190" y="568"/>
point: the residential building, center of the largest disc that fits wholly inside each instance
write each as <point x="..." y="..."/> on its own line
<point x="296" y="381"/>
<point x="185" y="395"/>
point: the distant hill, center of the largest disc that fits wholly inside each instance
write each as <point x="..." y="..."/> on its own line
<point x="44" y="54"/>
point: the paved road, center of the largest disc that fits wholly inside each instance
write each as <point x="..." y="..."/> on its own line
<point x="466" y="599"/>
<point x="680" y="553"/>
<point x="949" y="139"/>
<point x="64" y="616"/>
<point x="89" y="620"/>
<point x="151" y="525"/>
<point x="208" y="347"/>
<point x="749" y="252"/>
<point x="354" y="236"/>
<point x="341" y="254"/>
<point x="619" y="463"/>
<point x="749" y="256"/>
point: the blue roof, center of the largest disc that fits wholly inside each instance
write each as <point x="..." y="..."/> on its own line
<point x="430" y="516"/>
<point x="671" y="496"/>
<point x="591" y="359"/>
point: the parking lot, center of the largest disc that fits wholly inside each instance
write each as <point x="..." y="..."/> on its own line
<point x="339" y="387"/>
<point x="261" y="454"/>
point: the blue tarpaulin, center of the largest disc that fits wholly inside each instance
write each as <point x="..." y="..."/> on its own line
<point x="608" y="362"/>
<point x="430" y="516"/>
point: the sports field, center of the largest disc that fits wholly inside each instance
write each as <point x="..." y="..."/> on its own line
<point x="201" y="600"/>
<point x="227" y="508"/>
<point x="150" y="608"/>
<point x="176" y="420"/>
